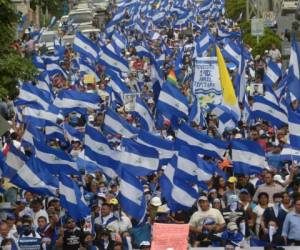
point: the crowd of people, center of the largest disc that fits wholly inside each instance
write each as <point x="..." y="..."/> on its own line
<point x="232" y="210"/>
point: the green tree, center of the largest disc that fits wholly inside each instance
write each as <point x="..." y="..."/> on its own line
<point x="13" y="66"/>
<point x="234" y="8"/>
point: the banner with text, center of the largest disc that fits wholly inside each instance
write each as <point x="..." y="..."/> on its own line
<point x="206" y="83"/>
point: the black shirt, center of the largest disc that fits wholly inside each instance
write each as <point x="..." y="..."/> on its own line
<point x="71" y="239"/>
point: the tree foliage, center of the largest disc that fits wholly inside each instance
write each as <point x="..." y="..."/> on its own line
<point x="13" y="66"/>
<point x="233" y="11"/>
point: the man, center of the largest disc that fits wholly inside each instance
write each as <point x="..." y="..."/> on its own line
<point x="29" y="239"/>
<point x="205" y="222"/>
<point x="107" y="219"/>
<point x="69" y="238"/>
<point x="231" y="189"/>
<point x="243" y="183"/>
<point x="276" y="213"/>
<point x="274" y="53"/>
<point x="291" y="225"/>
<point x="5" y="233"/>
<point x="269" y="187"/>
<point x="37" y="211"/>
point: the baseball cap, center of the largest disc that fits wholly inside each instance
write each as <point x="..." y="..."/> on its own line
<point x="113" y="201"/>
<point x="155" y="201"/>
<point x="232" y="179"/>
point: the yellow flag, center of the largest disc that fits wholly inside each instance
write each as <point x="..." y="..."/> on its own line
<point x="229" y="97"/>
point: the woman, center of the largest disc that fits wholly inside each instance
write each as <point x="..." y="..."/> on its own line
<point x="263" y="203"/>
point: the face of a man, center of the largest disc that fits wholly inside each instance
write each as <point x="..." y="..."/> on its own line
<point x="297" y="206"/>
<point x="204" y="205"/>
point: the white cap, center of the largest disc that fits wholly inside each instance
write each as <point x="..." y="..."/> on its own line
<point x="60" y="116"/>
<point x="155" y="201"/>
<point x="278" y="178"/>
<point x="145" y="243"/>
<point x="91" y="118"/>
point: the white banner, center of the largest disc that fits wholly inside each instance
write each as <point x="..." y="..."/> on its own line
<point x="206" y="84"/>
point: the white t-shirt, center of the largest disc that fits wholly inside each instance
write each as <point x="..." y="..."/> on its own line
<point x="36" y="215"/>
<point x="200" y="218"/>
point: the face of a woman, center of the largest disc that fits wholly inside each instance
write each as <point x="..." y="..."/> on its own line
<point x="222" y="182"/>
<point x="263" y="200"/>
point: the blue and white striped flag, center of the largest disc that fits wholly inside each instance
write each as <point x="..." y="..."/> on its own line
<point x="99" y="152"/>
<point x="72" y="133"/>
<point x="199" y="142"/>
<point x="56" y="161"/>
<point x="227" y="117"/>
<point x="144" y="115"/>
<point x="165" y="148"/>
<point x="179" y="194"/>
<point x="202" y="44"/>
<point x="267" y="110"/>
<point x="32" y="132"/>
<point x="119" y="41"/>
<point x="272" y="74"/>
<point x="131" y="196"/>
<point x="138" y="159"/>
<point x="32" y="177"/>
<point x="232" y="52"/>
<point x="111" y="60"/>
<point x="68" y="99"/>
<point x="31" y="94"/>
<point x="72" y="199"/>
<point x="14" y="161"/>
<point x="115" y="124"/>
<point x="85" y="47"/>
<point x="37" y="116"/>
<point x="55" y="69"/>
<point x="171" y="102"/>
<point x="294" y="71"/>
<point x="248" y="157"/>
<point x="294" y="128"/>
<point x="86" y="68"/>
<point x="54" y="131"/>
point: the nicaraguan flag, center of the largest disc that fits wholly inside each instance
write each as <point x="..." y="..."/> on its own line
<point x="248" y="157"/>
<point x="138" y="159"/>
<point x="72" y="133"/>
<point x="85" y="47"/>
<point x="86" y="68"/>
<point x="115" y="124"/>
<point x="32" y="132"/>
<point x="200" y="143"/>
<point x="165" y="148"/>
<point x="294" y="71"/>
<point x="72" y="199"/>
<point x="144" y="115"/>
<point x="55" y="69"/>
<point x="269" y="111"/>
<point x="68" y="99"/>
<point x="171" y="102"/>
<point x="98" y="151"/>
<point x="202" y="44"/>
<point x="32" y="177"/>
<point x="179" y="194"/>
<point x="272" y="74"/>
<point x="111" y="60"/>
<point x="294" y="128"/>
<point x="232" y="52"/>
<point x="31" y="94"/>
<point x="131" y="196"/>
<point x="116" y="83"/>
<point x="227" y="118"/>
<point x="54" y="131"/>
<point x="37" y="116"/>
<point x="14" y="161"/>
<point x="56" y="161"/>
<point x="189" y="166"/>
